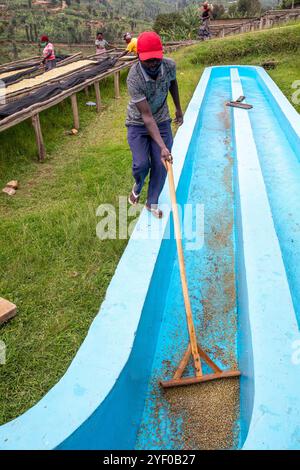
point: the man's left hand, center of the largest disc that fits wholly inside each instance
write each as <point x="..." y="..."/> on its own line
<point x="178" y="117"/>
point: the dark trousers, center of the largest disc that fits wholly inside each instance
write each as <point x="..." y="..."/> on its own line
<point x="50" y="64"/>
<point x="146" y="157"/>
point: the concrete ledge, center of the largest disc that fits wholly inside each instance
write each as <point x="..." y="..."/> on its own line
<point x="275" y="417"/>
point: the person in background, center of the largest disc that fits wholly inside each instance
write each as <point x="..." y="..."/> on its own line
<point x="131" y="44"/>
<point x="49" y="61"/>
<point x="206" y="11"/>
<point x="148" y="119"/>
<point x="101" y="44"/>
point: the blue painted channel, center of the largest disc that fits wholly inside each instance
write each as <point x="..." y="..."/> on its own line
<point x="278" y="151"/>
<point x="207" y="183"/>
<point x="245" y="295"/>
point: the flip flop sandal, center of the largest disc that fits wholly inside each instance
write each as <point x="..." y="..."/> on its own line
<point x="133" y="198"/>
<point x="156" y="212"/>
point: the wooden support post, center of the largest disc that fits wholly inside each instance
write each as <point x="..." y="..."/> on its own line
<point x="117" y="85"/>
<point x="98" y="96"/>
<point x="39" y="136"/>
<point x="86" y="91"/>
<point x="75" y="111"/>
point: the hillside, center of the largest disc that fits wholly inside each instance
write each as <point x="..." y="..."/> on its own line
<point x="77" y="21"/>
<point x="74" y="21"/>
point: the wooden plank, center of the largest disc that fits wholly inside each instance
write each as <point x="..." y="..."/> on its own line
<point x="72" y="58"/>
<point x="197" y="380"/>
<point x="98" y="96"/>
<point x="75" y="111"/>
<point x="117" y="85"/>
<point x="18" y="62"/>
<point x="235" y="104"/>
<point x="208" y="360"/>
<point x="7" y="310"/>
<point x="183" y="363"/>
<point x="39" y="136"/>
<point x="98" y="56"/>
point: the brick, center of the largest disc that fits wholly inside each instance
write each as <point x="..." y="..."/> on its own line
<point x="13" y="184"/>
<point x="7" y="310"/>
<point x="9" y="191"/>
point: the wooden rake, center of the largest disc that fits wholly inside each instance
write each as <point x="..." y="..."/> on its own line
<point x="193" y="348"/>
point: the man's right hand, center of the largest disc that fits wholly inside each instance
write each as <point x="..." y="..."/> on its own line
<point x="165" y="155"/>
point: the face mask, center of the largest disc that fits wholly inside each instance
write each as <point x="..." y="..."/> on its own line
<point x="43" y="44"/>
<point x="153" y="72"/>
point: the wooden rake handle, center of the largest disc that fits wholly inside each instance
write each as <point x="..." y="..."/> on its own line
<point x="187" y="303"/>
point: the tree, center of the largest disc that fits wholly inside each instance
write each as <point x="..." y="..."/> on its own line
<point x="72" y="34"/>
<point x="15" y="50"/>
<point x="167" y="21"/>
<point x="11" y="30"/>
<point x="31" y="33"/>
<point x="178" y="26"/>
<point x="27" y="32"/>
<point x="233" y="11"/>
<point x="190" y="17"/>
<point x="286" y="4"/>
<point x="249" y="8"/>
<point x="218" y="11"/>
<point x="35" y="31"/>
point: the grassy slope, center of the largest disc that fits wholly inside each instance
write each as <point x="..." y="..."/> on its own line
<point x="51" y="263"/>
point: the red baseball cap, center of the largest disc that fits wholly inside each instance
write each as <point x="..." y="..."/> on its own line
<point x="149" y="46"/>
<point x="44" y="38"/>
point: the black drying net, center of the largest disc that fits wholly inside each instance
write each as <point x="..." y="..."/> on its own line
<point x="49" y="91"/>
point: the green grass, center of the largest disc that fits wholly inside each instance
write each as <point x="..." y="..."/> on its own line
<point x="52" y="265"/>
<point x="273" y="41"/>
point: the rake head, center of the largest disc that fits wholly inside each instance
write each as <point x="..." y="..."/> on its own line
<point x="197" y="380"/>
<point x="179" y="381"/>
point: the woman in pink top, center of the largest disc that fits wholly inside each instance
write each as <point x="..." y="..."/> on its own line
<point x="49" y="60"/>
<point x="101" y="44"/>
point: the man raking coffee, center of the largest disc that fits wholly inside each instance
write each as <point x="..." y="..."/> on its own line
<point x="148" y="118"/>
